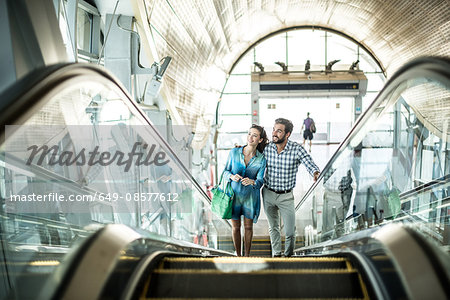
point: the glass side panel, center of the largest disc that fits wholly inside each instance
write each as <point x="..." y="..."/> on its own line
<point x="84" y="29"/>
<point x="84" y="159"/>
<point x="395" y="167"/>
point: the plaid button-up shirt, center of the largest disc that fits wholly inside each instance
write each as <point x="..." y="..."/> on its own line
<point x="282" y="168"/>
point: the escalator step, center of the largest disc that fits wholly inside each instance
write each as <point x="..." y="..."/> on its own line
<point x="259" y="284"/>
<point x="236" y="259"/>
<point x="260" y="245"/>
<point x="247" y="298"/>
<point x="265" y="263"/>
<point x="258" y="251"/>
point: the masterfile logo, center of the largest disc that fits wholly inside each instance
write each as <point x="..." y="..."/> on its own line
<point x="66" y="158"/>
<point x="96" y="168"/>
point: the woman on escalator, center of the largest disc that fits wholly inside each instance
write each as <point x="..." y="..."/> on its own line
<point x="245" y="168"/>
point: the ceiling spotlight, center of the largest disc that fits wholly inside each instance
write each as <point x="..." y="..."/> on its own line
<point x="282" y="65"/>
<point x="259" y="65"/>
<point x="307" y="67"/>
<point x="330" y="65"/>
<point x="354" y="66"/>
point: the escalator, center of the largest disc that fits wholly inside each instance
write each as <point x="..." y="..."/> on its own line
<point x="389" y="181"/>
<point x="253" y="277"/>
<point x="384" y="237"/>
<point x="77" y="155"/>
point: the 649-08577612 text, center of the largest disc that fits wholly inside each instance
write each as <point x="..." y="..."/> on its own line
<point x="92" y="197"/>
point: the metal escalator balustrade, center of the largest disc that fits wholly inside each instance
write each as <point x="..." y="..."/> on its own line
<point x="397" y="146"/>
<point x="81" y="102"/>
<point x="393" y="167"/>
<point x="98" y="160"/>
<point x="254" y="277"/>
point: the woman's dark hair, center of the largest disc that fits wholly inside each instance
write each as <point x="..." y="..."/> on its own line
<point x="262" y="135"/>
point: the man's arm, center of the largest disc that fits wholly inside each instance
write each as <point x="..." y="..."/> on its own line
<point x="310" y="165"/>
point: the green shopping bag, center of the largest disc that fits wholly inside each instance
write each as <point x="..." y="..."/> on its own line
<point x="222" y="200"/>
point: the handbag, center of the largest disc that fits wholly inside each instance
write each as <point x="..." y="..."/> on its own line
<point x="313" y="127"/>
<point x="222" y="200"/>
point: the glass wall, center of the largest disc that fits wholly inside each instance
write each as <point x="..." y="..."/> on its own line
<point x="333" y="115"/>
<point x="85" y="156"/>
<point x="395" y="166"/>
<point x="83" y="44"/>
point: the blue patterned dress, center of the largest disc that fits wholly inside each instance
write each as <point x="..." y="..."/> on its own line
<point x="247" y="200"/>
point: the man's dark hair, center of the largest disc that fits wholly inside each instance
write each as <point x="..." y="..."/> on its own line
<point x="288" y="126"/>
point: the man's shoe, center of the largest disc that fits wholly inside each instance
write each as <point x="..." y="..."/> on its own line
<point x="277" y="255"/>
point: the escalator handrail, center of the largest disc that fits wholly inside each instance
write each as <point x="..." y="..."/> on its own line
<point x="20" y="99"/>
<point x="42" y="221"/>
<point x="434" y="67"/>
<point x="426" y="186"/>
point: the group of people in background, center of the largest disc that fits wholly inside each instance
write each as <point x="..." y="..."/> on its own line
<point x="273" y="167"/>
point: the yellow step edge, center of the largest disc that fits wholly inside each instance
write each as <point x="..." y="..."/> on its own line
<point x="380" y="257"/>
<point x="146" y="287"/>
<point x="260" y="249"/>
<point x="258" y="272"/>
<point x="34" y="263"/>
<point x="256" y="298"/>
<point x="349" y="265"/>
<point x="256" y="240"/>
<point x="363" y="287"/>
<point x="234" y="259"/>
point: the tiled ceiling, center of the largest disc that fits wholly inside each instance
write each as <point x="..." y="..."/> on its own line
<point x="432" y="104"/>
<point x="205" y="38"/>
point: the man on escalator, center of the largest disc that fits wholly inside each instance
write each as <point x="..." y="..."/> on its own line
<point x="283" y="158"/>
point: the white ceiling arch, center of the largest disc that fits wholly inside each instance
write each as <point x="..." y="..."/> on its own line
<point x="206" y="38"/>
<point x="380" y="65"/>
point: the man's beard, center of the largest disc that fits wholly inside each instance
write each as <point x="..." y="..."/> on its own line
<point x="280" y="141"/>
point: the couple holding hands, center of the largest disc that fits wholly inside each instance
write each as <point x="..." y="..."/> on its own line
<point x="273" y="165"/>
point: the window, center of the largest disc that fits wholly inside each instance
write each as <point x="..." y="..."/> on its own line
<point x="333" y="116"/>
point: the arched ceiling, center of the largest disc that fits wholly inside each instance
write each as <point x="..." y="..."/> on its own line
<point x="205" y="37"/>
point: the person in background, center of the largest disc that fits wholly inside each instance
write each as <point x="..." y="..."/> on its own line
<point x="245" y="168"/>
<point x="310" y="128"/>
<point x="346" y="189"/>
<point x="283" y="158"/>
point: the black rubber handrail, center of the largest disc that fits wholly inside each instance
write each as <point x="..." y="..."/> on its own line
<point x="426" y="186"/>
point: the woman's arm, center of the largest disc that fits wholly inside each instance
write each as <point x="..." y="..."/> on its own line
<point x="259" y="180"/>
<point x="260" y="176"/>
<point x="227" y="174"/>
<point x="227" y="170"/>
